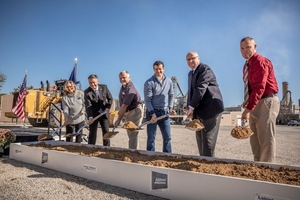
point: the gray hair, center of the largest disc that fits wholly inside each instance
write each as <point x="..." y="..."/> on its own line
<point x="124" y="72"/>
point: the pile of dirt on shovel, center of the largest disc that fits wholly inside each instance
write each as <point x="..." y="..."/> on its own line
<point x="129" y="125"/>
<point x="284" y="175"/>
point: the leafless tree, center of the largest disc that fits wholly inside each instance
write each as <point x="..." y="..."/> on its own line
<point x="2" y="79"/>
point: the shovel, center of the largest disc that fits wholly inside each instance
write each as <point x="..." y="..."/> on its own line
<point x="111" y="134"/>
<point x="195" y="125"/>
<point x="97" y="117"/>
<point x="46" y="136"/>
<point x="145" y="123"/>
<point x="149" y="122"/>
<point x="69" y="135"/>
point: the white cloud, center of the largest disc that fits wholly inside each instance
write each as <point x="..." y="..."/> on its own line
<point x="272" y="30"/>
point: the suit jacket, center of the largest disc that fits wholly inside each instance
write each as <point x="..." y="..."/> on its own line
<point x="204" y="94"/>
<point x="93" y="103"/>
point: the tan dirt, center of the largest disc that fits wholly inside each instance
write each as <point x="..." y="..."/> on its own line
<point x="241" y="132"/>
<point x="284" y="175"/>
<point x="129" y="125"/>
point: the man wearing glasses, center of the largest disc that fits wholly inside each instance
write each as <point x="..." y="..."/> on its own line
<point x="204" y="102"/>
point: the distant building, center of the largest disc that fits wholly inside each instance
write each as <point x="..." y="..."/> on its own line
<point x="232" y="116"/>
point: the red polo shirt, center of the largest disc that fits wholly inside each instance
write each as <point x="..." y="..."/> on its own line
<point x="261" y="77"/>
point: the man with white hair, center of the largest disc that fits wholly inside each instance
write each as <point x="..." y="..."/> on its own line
<point x="205" y="102"/>
<point x="130" y="107"/>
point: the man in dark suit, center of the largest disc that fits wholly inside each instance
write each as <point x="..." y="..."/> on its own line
<point x="204" y="102"/>
<point x="98" y="99"/>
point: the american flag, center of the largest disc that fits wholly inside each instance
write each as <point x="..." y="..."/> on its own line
<point x="19" y="107"/>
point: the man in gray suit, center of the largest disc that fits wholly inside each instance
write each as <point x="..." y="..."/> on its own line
<point x="204" y="102"/>
<point x="97" y="100"/>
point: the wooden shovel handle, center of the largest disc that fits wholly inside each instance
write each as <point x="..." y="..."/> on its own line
<point x="97" y="117"/>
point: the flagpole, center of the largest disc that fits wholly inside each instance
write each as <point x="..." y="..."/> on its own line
<point x="76" y="60"/>
<point x="74" y="72"/>
<point x="24" y="125"/>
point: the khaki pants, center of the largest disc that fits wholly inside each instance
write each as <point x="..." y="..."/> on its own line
<point x="136" y="116"/>
<point x="263" y="123"/>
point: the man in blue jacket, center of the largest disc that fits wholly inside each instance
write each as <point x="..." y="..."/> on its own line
<point x="158" y="95"/>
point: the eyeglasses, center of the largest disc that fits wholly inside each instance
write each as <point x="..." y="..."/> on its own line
<point x="192" y="58"/>
<point x="69" y="86"/>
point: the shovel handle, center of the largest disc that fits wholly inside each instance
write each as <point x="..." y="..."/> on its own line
<point x="148" y="122"/>
<point x="55" y="131"/>
<point x="97" y="117"/>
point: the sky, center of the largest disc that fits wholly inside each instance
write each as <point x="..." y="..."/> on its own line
<point x="109" y="36"/>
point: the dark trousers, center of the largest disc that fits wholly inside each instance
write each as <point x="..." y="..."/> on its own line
<point x="72" y="128"/>
<point x="207" y="137"/>
<point x="104" y="123"/>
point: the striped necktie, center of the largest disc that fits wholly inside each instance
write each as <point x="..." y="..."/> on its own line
<point x="97" y="93"/>
<point x="246" y="87"/>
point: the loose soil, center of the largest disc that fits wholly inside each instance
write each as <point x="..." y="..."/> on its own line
<point x="284" y="175"/>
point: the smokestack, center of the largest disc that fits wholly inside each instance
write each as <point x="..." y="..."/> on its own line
<point x="42" y="86"/>
<point x="285" y="88"/>
<point x="48" y="85"/>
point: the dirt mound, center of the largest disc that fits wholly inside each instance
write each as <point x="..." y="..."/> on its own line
<point x="247" y="171"/>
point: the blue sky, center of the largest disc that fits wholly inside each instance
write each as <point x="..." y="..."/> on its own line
<point x="108" y="36"/>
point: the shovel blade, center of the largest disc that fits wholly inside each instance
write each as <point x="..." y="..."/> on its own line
<point x="44" y="137"/>
<point x="109" y="135"/>
<point x="69" y="135"/>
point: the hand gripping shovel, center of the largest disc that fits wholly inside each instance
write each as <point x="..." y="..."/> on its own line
<point x="69" y="135"/>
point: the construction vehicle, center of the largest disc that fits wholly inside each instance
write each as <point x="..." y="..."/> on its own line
<point x="42" y="106"/>
<point x="39" y="103"/>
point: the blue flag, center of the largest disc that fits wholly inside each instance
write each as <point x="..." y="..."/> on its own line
<point x="73" y="74"/>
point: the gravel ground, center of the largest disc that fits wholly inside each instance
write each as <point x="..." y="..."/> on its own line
<point x="24" y="181"/>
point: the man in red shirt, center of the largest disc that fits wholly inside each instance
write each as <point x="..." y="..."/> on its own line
<point x="262" y="104"/>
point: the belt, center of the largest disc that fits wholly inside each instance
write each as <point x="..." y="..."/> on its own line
<point x="132" y="108"/>
<point x="160" y="109"/>
<point x="269" y="95"/>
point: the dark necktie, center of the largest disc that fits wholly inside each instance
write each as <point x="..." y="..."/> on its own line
<point x="190" y="76"/>
<point x="246" y="87"/>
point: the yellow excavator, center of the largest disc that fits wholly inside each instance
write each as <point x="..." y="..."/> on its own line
<point x="40" y="103"/>
<point x="43" y="105"/>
